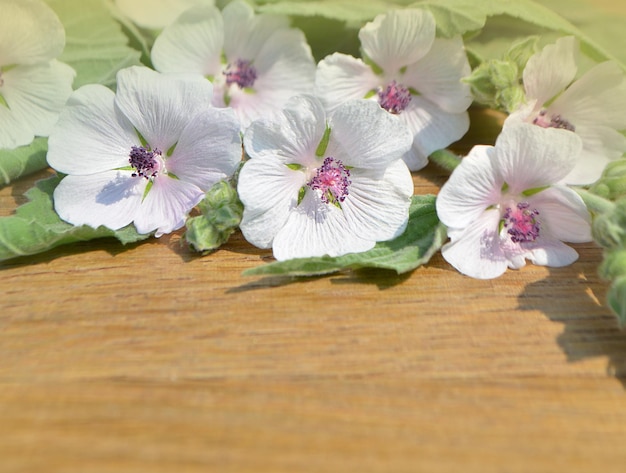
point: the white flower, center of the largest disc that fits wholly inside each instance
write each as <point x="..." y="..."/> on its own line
<point x="501" y="207"/>
<point x="155" y="14"/>
<point x="145" y="155"/>
<point x="593" y="107"/>
<point x="409" y="73"/>
<point x="33" y="84"/>
<point x="319" y="186"/>
<point x="256" y="63"/>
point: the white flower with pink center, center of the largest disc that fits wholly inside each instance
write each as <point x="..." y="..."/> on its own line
<point x="501" y="204"/>
<point x="409" y="73"/>
<point x="146" y="154"/>
<point x="324" y="185"/>
<point x="33" y="84"/>
<point x="255" y="62"/>
<point x="592" y="106"/>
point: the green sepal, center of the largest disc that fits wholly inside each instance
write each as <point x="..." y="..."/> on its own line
<point x="221" y="211"/>
<point x="35" y="227"/>
<point x="3" y="102"/>
<point x="423" y="236"/>
<point x="321" y="147"/>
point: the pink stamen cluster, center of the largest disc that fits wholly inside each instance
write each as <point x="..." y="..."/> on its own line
<point x="144" y="161"/>
<point x="395" y="98"/>
<point x="556" y="121"/>
<point x="242" y="73"/>
<point x="521" y="223"/>
<point x="331" y="179"/>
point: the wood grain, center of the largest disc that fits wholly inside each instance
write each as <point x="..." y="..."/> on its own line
<point x="150" y="358"/>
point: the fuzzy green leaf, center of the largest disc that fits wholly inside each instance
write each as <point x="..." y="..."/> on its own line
<point x="423" y="236"/>
<point x="35" y="227"/>
<point x="23" y="160"/>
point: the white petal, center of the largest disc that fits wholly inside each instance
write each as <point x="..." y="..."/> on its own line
<point x="91" y="135"/>
<point x="209" y="149"/>
<point x="166" y="205"/>
<point x="473" y="187"/>
<point x="597" y="98"/>
<point x="192" y="43"/>
<point x="552" y="253"/>
<point x="398" y="38"/>
<point x="269" y="191"/>
<point x="316" y="229"/>
<point x="529" y="156"/>
<point x="476" y="251"/>
<point x="109" y="198"/>
<point x="550" y="71"/>
<point x="437" y="76"/>
<point x="366" y="136"/>
<point x="285" y="68"/>
<point x="292" y="135"/>
<point x="35" y="96"/>
<point x="340" y="78"/>
<point x="432" y="129"/>
<point x="160" y="105"/>
<point x="377" y="208"/>
<point x="155" y="14"/>
<point x="244" y="33"/>
<point x="562" y="214"/>
<point x="30" y="33"/>
<point x="601" y="144"/>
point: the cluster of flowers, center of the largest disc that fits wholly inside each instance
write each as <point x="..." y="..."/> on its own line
<point x="328" y="148"/>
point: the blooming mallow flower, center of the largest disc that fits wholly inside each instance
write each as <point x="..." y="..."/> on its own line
<point x="255" y="62"/>
<point x="155" y="14"/>
<point x="409" y="73"/>
<point x="146" y="154"/>
<point x="33" y="84"/>
<point x="593" y="106"/>
<point x="318" y="185"/>
<point x="501" y="204"/>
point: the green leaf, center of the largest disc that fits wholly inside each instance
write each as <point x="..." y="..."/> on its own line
<point x="423" y="236"/>
<point x="23" y="160"/>
<point x="35" y="227"/>
<point x="95" y="45"/>
<point x="221" y="213"/>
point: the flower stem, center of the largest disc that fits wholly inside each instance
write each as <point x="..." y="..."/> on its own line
<point x="445" y="159"/>
<point x="595" y="203"/>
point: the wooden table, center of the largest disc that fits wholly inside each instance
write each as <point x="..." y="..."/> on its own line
<point x="151" y="359"/>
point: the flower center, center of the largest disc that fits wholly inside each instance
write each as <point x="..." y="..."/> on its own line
<point x="521" y="223"/>
<point x="242" y="73"/>
<point x="146" y="163"/>
<point x="555" y="121"/>
<point x="394" y="98"/>
<point x="331" y="178"/>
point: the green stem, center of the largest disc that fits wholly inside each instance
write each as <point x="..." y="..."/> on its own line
<point x="595" y="203"/>
<point x="445" y="159"/>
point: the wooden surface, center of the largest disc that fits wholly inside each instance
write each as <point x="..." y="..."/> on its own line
<point x="151" y="359"/>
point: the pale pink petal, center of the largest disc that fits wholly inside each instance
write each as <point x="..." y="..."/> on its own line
<point x="562" y="214"/>
<point x="432" y="129"/>
<point x="550" y="71"/>
<point x="340" y="78"/>
<point x="437" y="76"/>
<point x="209" y="149"/>
<point x="529" y="156"/>
<point x="473" y="187"/>
<point x="109" y="198"/>
<point x="552" y="253"/>
<point x="475" y="251"/>
<point x="166" y="205"/>
<point x="374" y="146"/>
<point x="192" y="43"/>
<point x="398" y="38"/>
<point x="160" y="105"/>
<point x="316" y="229"/>
<point x="377" y="208"/>
<point x="92" y="135"/>
<point x="269" y="191"/>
